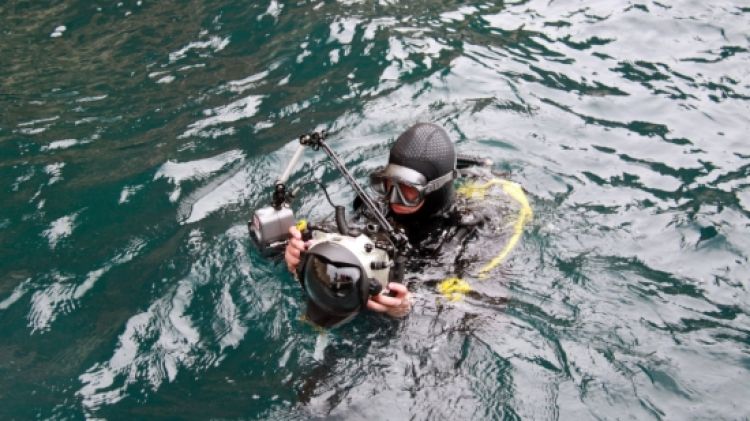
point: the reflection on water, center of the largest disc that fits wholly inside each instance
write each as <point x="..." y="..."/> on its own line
<point x="136" y="138"/>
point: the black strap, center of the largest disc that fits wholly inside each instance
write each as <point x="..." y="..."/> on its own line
<point x="465" y="161"/>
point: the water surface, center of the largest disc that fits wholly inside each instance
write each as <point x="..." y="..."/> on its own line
<point x="137" y="137"/>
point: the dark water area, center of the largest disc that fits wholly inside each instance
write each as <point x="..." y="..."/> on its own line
<point x="137" y="137"/>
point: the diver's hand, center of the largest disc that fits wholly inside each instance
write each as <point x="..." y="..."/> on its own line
<point x="397" y="306"/>
<point x="294" y="249"/>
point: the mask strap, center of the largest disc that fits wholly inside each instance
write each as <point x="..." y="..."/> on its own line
<point x="440" y="181"/>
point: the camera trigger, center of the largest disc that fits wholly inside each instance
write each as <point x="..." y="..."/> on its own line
<point x="375" y="287"/>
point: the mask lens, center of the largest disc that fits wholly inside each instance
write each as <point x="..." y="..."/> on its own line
<point x="409" y="193"/>
<point x="403" y="194"/>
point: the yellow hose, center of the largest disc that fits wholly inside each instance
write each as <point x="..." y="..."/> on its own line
<point x="454" y="289"/>
<point x="524" y="215"/>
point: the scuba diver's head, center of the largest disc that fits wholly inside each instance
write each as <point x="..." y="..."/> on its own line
<point x="418" y="180"/>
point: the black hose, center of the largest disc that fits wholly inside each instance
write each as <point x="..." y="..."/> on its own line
<point x="341" y="220"/>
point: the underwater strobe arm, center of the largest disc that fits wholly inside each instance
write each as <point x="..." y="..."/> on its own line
<point x="270" y="225"/>
<point x="317" y="140"/>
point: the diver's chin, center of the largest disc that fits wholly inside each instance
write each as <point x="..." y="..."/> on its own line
<point x="405" y="210"/>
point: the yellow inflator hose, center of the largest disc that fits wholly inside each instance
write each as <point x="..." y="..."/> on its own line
<point x="455" y="288"/>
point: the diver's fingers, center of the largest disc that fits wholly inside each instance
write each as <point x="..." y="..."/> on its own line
<point x="295" y="249"/>
<point x="296" y="239"/>
<point x="376" y="307"/>
<point x="291" y="261"/>
<point x="401" y="293"/>
<point x="388" y="301"/>
<point x="398" y="290"/>
<point x="298" y="245"/>
<point x="292" y="256"/>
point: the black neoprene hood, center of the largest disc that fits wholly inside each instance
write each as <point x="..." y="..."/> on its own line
<point x="426" y="148"/>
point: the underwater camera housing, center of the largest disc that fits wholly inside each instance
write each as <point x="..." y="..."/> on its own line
<point x="342" y="267"/>
<point x="339" y="273"/>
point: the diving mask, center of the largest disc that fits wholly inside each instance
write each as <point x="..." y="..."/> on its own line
<point x="406" y="186"/>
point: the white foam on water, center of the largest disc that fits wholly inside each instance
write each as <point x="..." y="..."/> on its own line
<point x="215" y="43"/>
<point x="156" y="343"/>
<point x="744" y="198"/>
<point x="154" y="75"/>
<point x="190" y="170"/>
<point x="305" y="52"/>
<point x="376" y="24"/>
<point x="166" y="79"/>
<point x="92" y="98"/>
<point x="274" y="10"/>
<point x="333" y="55"/>
<point x="32" y="131"/>
<point x="240" y="109"/>
<point x="37" y="121"/>
<point x="177" y="172"/>
<point x="48" y="303"/>
<point x="242" y="85"/>
<point x="191" y="66"/>
<point x="232" y="330"/>
<point x="18" y="292"/>
<point x="22" y="179"/>
<point x="54" y="171"/>
<point x="458" y="15"/>
<point x="264" y="125"/>
<point x="60" y="144"/>
<point x="58" y="32"/>
<point x="128" y="192"/>
<point x="219" y="196"/>
<point x="321" y="342"/>
<point x="342" y="30"/>
<point x="59" y="229"/>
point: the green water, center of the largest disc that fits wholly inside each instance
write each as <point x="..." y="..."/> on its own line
<point x="136" y="138"/>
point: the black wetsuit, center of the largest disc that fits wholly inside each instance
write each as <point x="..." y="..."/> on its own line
<point x="470" y="232"/>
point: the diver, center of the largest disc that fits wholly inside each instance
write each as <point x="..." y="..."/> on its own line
<point x="418" y="186"/>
